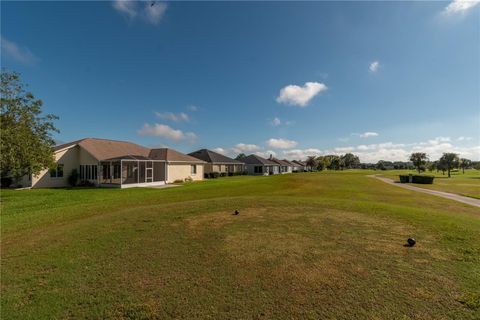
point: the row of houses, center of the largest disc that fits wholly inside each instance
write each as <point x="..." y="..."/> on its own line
<point x="109" y="163"/>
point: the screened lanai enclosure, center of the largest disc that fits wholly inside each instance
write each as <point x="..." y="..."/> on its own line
<point x="132" y="171"/>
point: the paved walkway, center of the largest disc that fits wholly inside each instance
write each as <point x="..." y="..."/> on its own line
<point x="451" y="196"/>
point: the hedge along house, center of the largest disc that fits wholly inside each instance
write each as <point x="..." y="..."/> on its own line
<point x="256" y="165"/>
<point x="109" y="163"/>
<point x="216" y="162"/>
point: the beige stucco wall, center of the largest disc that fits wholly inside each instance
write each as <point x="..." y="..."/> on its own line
<point x="69" y="158"/>
<point x="221" y="168"/>
<point x="180" y="171"/>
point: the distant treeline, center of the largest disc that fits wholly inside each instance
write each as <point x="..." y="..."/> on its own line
<point x="419" y="161"/>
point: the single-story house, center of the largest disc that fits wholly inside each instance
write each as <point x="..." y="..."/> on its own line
<point x="256" y="165"/>
<point x="121" y="164"/>
<point x="216" y="162"/>
<point x="301" y="165"/>
<point x="285" y="167"/>
<point x="293" y="166"/>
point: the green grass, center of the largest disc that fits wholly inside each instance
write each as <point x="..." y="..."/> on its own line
<point x="310" y="245"/>
<point x="465" y="184"/>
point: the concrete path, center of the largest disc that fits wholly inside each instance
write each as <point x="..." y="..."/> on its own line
<point x="451" y="196"/>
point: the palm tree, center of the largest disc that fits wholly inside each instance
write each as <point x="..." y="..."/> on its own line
<point x="311" y="162"/>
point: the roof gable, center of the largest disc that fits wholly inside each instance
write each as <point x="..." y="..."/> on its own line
<point x="254" y="159"/>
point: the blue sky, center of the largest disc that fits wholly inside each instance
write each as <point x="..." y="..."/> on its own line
<point x="379" y="79"/>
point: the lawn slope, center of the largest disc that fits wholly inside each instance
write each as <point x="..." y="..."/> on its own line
<point x="313" y="245"/>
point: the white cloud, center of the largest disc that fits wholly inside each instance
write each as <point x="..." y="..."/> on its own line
<point x="173" y="117"/>
<point x="344" y="149"/>
<point x="301" y="154"/>
<point x="192" y="108"/>
<point x="165" y="131"/>
<point x="300" y="96"/>
<point x="460" y="6"/>
<point x="368" y="134"/>
<point x="266" y="154"/>
<point x="16" y="52"/>
<point x="128" y="8"/>
<point x="220" y="150"/>
<point x="374" y="66"/>
<point x="281" y="143"/>
<point x="154" y="11"/>
<point x="276" y="122"/>
<point x="242" y="148"/>
<point x="464" y="138"/>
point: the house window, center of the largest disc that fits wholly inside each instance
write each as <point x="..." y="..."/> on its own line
<point x="258" y="169"/>
<point x="57" y="172"/>
<point x="193" y="169"/>
<point x="116" y="171"/>
<point x="88" y="172"/>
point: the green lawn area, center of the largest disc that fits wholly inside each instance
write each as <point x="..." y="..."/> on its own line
<point x="311" y="245"/>
<point x="466" y="184"/>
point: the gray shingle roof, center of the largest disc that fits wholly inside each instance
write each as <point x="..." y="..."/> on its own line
<point x="213" y="157"/>
<point x="254" y="159"/>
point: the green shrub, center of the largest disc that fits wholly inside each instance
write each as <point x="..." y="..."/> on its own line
<point x="178" y="181"/>
<point x="213" y="175"/>
<point x="6" y="182"/>
<point x="223" y="174"/>
<point x="416" y="178"/>
<point x="421" y="179"/>
<point x="73" y="178"/>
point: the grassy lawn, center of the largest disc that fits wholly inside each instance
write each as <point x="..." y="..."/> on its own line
<point x="309" y="245"/>
<point x="467" y="184"/>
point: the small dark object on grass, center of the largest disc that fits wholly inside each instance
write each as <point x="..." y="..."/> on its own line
<point x="236" y="212"/>
<point x="411" y="242"/>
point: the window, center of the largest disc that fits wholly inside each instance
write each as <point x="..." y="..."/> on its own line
<point x="193" y="169"/>
<point x="258" y="169"/>
<point x="116" y="171"/>
<point x="57" y="172"/>
<point x="88" y="172"/>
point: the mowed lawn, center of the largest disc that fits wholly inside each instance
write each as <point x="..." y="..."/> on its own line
<point x="311" y="245"/>
<point x="465" y="184"/>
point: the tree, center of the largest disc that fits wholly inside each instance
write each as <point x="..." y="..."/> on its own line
<point x="350" y="161"/>
<point x="449" y="161"/>
<point x="26" y="143"/>
<point x="311" y="162"/>
<point x="419" y="159"/>
<point x="241" y="156"/>
<point x="465" y="164"/>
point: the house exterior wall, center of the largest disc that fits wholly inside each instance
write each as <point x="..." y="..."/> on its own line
<point x="180" y="171"/>
<point x="215" y="167"/>
<point x="70" y="160"/>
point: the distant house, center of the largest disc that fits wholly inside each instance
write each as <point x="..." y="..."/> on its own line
<point x="116" y="164"/>
<point x="256" y="165"/>
<point x="293" y="166"/>
<point x="285" y="166"/>
<point x="300" y="165"/>
<point x="216" y="162"/>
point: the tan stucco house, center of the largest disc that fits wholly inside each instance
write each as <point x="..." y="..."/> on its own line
<point x="216" y="162"/>
<point x="111" y="163"/>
